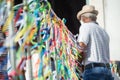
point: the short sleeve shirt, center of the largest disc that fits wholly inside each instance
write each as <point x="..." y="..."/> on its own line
<point x="97" y="41"/>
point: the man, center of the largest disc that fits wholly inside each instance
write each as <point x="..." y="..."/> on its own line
<point x="95" y="45"/>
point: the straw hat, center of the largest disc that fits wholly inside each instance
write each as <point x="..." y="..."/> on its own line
<point x="87" y="9"/>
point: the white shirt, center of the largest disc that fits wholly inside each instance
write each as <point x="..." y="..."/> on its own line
<point x="97" y="41"/>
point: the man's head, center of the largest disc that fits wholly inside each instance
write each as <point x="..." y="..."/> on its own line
<point x="88" y="17"/>
<point x="87" y="14"/>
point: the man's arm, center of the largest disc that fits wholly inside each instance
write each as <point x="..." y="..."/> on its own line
<point x="81" y="50"/>
<point x="83" y="46"/>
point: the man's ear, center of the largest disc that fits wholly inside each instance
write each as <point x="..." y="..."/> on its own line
<point x="82" y="44"/>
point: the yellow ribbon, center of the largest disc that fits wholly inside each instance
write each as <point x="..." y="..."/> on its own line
<point x="8" y="21"/>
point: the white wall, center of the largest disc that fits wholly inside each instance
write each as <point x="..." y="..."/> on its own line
<point x="112" y="23"/>
<point x="98" y="6"/>
<point x="109" y="19"/>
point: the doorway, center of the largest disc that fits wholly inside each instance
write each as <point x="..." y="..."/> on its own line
<point x="68" y="9"/>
